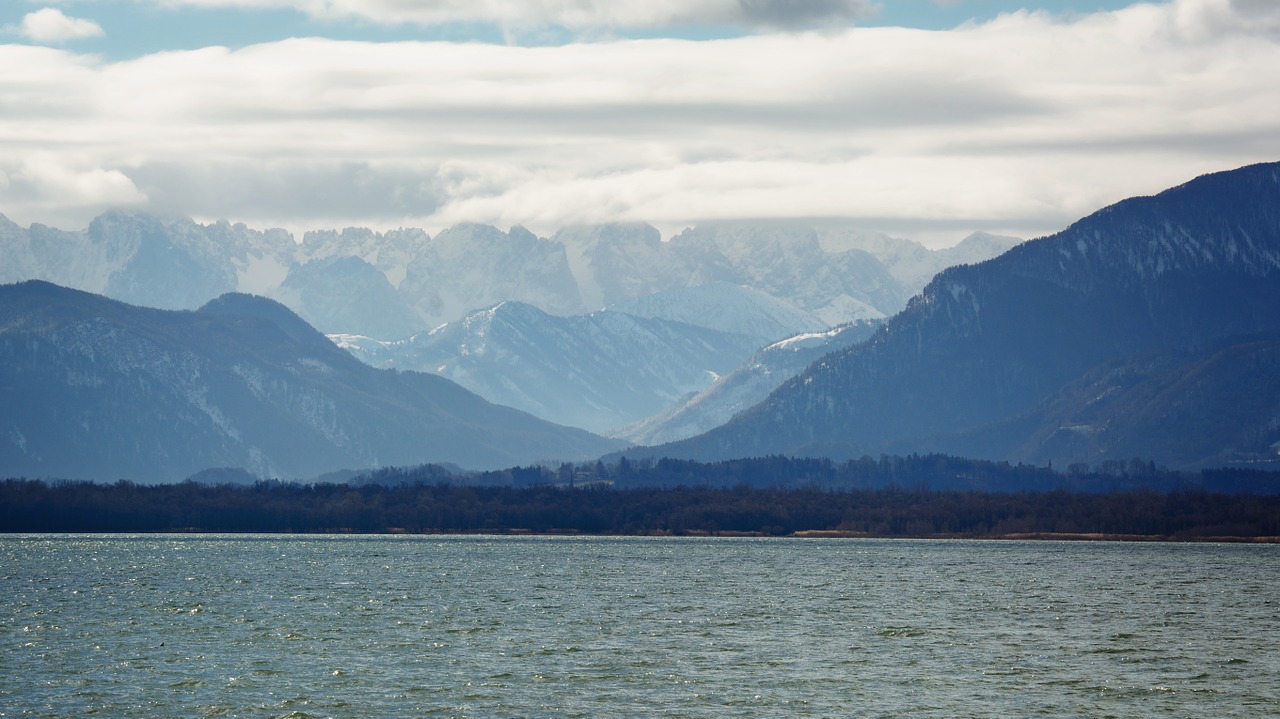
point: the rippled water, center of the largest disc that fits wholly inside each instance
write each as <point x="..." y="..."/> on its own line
<point x="195" y="626"/>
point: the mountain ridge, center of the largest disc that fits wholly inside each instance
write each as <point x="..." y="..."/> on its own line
<point x="748" y="384"/>
<point x="95" y="388"/>
<point x="176" y="263"/>
<point x="596" y="371"/>
<point x="984" y="343"/>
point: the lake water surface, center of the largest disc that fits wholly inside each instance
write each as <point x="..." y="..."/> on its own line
<point x="277" y="626"/>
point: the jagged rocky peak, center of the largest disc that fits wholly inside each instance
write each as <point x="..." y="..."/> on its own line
<point x="475" y="233"/>
<point x="323" y="243"/>
<point x="46" y="254"/>
<point x="909" y="262"/>
<point x="618" y="261"/>
<point x="838" y="238"/>
<point x="618" y="234"/>
<point x="391" y="251"/>
<point x="177" y="263"/>
<point x="471" y="266"/>
<point x="8" y="226"/>
<point x="744" y="239"/>
<point x="345" y="294"/>
<point x="161" y="261"/>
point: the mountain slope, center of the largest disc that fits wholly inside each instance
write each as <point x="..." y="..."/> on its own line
<point x="471" y="266"/>
<point x="726" y="307"/>
<point x="911" y="263"/>
<point x="596" y="371"/>
<point x="1216" y="405"/>
<point x="172" y="263"/>
<point x="788" y="262"/>
<point x="616" y="262"/>
<point x="345" y="294"/>
<point x="94" y="388"/>
<point x="745" y="386"/>
<point x="175" y="263"/>
<point x="1192" y="266"/>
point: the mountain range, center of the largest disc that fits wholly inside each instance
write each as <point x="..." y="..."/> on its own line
<point x="1149" y="329"/>
<point x="402" y="298"/>
<point x="99" y="389"/>
<point x="598" y="371"/>
<point x="1148" y="326"/>
<point x="393" y="284"/>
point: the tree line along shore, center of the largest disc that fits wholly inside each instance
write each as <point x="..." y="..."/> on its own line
<point x="657" y="499"/>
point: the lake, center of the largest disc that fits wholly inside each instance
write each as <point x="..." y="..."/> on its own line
<point x="392" y="626"/>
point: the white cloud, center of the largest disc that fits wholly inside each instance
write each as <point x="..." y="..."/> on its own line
<point x="1197" y="19"/>
<point x="1021" y="124"/>
<point x="54" y="184"/>
<point x="50" y="25"/>
<point x="576" y="14"/>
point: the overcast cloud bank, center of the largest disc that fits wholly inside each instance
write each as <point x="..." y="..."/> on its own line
<point x="1019" y="125"/>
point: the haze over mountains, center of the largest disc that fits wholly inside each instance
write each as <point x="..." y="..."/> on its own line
<point x="598" y="371"/>
<point x="1150" y="329"/>
<point x="93" y="388"/>
<point x="700" y="303"/>
<point x="391" y="285"/>
<point x="1147" y="329"/>
<point x="745" y="386"/>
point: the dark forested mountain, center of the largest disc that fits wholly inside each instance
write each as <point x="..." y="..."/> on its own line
<point x="94" y="388"/>
<point x="1217" y="404"/>
<point x="597" y="371"/>
<point x="991" y="356"/>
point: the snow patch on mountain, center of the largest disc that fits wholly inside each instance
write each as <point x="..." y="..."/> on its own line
<point x="749" y="383"/>
<point x="596" y="371"/>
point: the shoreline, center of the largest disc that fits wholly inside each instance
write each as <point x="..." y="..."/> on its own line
<point x="702" y="534"/>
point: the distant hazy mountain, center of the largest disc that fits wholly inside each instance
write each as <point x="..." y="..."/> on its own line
<point x="170" y="263"/>
<point x="469" y="267"/>
<point x="911" y="263"/>
<point x="613" y="263"/>
<point x="345" y="294"/>
<point x="178" y="264"/>
<point x="94" y="388"/>
<point x="598" y="371"/>
<point x="1197" y="267"/>
<point x="746" y="385"/>
<point x="391" y="252"/>
<point x="788" y="262"/>
<point x="727" y="308"/>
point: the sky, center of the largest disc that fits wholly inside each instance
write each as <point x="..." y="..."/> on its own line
<point x="927" y="119"/>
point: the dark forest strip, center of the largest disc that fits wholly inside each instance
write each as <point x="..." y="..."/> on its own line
<point x="37" y="506"/>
